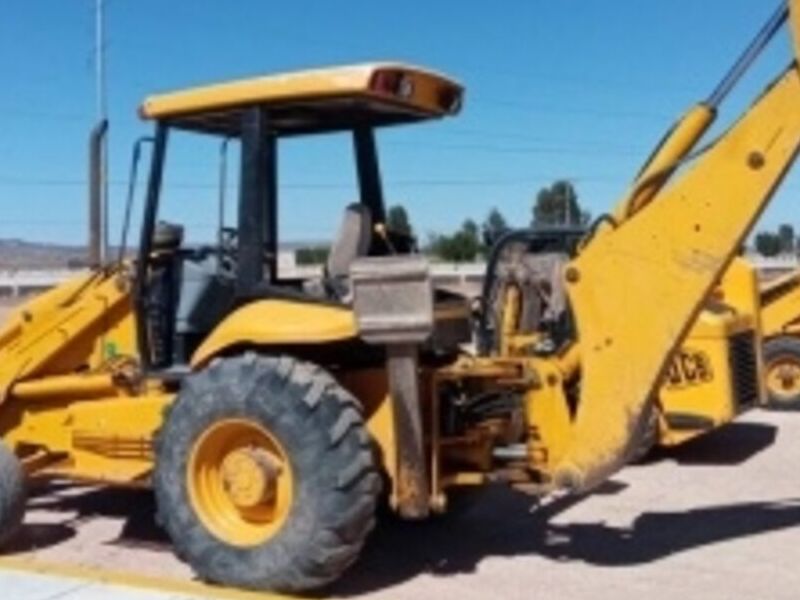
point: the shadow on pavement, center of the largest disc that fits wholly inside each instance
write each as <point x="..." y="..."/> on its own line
<point x="35" y="536"/>
<point x="504" y="527"/>
<point x="655" y="535"/>
<point x="136" y="509"/>
<point x="730" y="445"/>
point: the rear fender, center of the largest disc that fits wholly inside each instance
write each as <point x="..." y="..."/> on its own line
<point x="278" y="323"/>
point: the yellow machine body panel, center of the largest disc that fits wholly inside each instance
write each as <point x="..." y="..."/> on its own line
<point x="278" y="322"/>
<point x="107" y="439"/>
<point x="710" y="380"/>
<point x="715" y="375"/>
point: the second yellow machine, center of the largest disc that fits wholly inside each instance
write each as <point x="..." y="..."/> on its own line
<point x="780" y="318"/>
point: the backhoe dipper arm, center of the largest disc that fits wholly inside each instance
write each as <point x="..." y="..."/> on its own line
<point x="637" y="287"/>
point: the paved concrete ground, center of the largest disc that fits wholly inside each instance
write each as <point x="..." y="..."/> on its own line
<point x="27" y="586"/>
<point x="717" y="519"/>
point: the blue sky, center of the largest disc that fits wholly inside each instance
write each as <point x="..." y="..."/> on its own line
<point x="554" y="89"/>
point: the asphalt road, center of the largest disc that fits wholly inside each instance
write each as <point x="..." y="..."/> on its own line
<point x="718" y="518"/>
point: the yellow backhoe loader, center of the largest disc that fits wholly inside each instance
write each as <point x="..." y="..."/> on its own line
<point x="268" y="413"/>
<point x="780" y="318"/>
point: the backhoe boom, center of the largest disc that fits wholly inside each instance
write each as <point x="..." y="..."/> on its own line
<point x="667" y="257"/>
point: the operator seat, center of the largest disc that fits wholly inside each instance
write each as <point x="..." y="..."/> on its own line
<point x="352" y="241"/>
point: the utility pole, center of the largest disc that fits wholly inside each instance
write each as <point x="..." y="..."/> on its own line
<point x="102" y="120"/>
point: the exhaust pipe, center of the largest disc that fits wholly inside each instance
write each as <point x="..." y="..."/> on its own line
<point x="96" y="208"/>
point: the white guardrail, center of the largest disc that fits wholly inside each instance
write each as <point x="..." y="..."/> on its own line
<point x="29" y="281"/>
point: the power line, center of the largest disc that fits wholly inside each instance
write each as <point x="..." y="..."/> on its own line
<point x="570" y="110"/>
<point x="26" y="113"/>
<point x="452" y="182"/>
<point x="472" y="132"/>
<point x="594" y="151"/>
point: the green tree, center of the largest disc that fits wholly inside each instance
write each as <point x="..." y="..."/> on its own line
<point x="470" y="229"/>
<point x="397" y="220"/>
<point x="787" y="238"/>
<point x="558" y="205"/>
<point x="313" y="255"/>
<point x="493" y="227"/>
<point x="462" y="246"/>
<point x="768" y="244"/>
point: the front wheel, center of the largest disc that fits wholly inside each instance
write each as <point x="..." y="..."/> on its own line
<point x="265" y="476"/>
<point x="782" y="372"/>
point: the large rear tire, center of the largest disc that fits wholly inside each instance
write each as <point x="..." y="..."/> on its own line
<point x="265" y="477"/>
<point x="782" y="372"/>
<point x="12" y="494"/>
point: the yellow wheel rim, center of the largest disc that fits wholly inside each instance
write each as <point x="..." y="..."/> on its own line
<point x="783" y="378"/>
<point x="240" y="482"/>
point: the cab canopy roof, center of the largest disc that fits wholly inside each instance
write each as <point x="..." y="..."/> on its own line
<point x="331" y="99"/>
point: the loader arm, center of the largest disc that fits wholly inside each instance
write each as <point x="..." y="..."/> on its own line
<point x="666" y="252"/>
<point x="55" y="324"/>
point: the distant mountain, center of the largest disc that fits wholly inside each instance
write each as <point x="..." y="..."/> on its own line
<point x="20" y="254"/>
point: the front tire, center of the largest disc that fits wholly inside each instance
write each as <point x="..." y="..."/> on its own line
<point x="782" y="372"/>
<point x="265" y="477"/>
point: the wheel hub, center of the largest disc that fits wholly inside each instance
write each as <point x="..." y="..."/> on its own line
<point x="785" y="378"/>
<point x="240" y="481"/>
<point x="250" y="476"/>
<point x="788" y="377"/>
